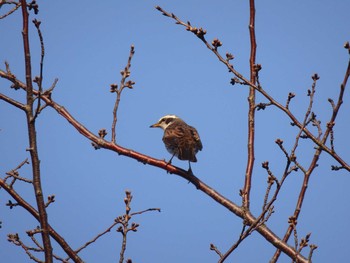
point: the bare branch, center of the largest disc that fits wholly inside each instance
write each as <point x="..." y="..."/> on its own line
<point x="95" y="238"/>
<point x="20" y="201"/>
<point x="17" y="5"/>
<point x="14" y="239"/>
<point x="15" y="174"/>
<point x="290" y="97"/>
<point x="114" y="88"/>
<point x="39" y="80"/>
<point x="50" y="199"/>
<point x="241" y="79"/>
<point x="251" y="110"/>
<point x="144" y="211"/>
<point x="315" y="159"/>
<point x="13" y="102"/>
<point x="119" y="220"/>
<point x="244" y="234"/>
<point x="217" y="251"/>
<point x="32" y="138"/>
<point x="234" y="208"/>
<point x="12" y="78"/>
<point x="312" y="248"/>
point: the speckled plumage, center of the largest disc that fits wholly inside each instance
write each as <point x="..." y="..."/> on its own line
<point x="180" y="139"/>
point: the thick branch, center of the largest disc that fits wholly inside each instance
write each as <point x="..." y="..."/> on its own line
<point x="228" y="204"/>
<point x="33" y="149"/>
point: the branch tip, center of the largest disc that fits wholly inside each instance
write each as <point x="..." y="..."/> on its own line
<point x="315" y="77"/>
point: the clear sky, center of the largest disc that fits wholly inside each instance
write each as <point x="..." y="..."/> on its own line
<point x="87" y="44"/>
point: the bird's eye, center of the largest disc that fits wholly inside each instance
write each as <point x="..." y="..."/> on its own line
<point x="168" y="120"/>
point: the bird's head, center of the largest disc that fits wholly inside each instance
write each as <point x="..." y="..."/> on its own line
<point x="165" y="121"/>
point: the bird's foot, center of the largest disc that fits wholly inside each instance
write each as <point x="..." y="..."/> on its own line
<point x="190" y="171"/>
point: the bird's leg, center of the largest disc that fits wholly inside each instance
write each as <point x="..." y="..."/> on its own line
<point x="169" y="162"/>
<point x="189" y="168"/>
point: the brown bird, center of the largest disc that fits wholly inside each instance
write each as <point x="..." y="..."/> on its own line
<point x="180" y="139"/>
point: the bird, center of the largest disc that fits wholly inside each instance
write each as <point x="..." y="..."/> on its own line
<point x="180" y="139"/>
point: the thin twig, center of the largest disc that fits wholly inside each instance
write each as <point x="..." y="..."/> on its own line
<point x="17" y="5"/>
<point x="50" y="200"/>
<point x="114" y="88"/>
<point x="15" y="174"/>
<point x="216" y="250"/>
<point x="16" y="169"/>
<point x="124" y="221"/>
<point x="95" y="238"/>
<point x="267" y="209"/>
<point x="13" y="102"/>
<point x="270" y="181"/>
<point x="244" y="234"/>
<point x="39" y="80"/>
<point x="290" y="97"/>
<point x="311" y="94"/>
<point x="144" y="211"/>
<point x="312" y="248"/>
<point x="314" y="161"/>
<point x="118" y="220"/>
<point x="15" y="239"/>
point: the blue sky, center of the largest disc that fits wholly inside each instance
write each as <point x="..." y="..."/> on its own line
<point x="87" y="44"/>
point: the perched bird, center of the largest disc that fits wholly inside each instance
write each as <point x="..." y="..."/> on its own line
<point x="180" y="139"/>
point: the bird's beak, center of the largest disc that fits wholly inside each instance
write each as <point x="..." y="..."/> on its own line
<point x="154" y="125"/>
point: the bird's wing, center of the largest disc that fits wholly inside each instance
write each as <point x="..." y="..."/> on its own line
<point x="196" y="137"/>
<point x="172" y="135"/>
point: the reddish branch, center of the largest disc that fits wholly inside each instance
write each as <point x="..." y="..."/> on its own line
<point x="245" y="193"/>
<point x="239" y="211"/>
<point x="250" y="220"/>
<point x="200" y="33"/>
<point x="33" y="149"/>
<point x="251" y="111"/>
